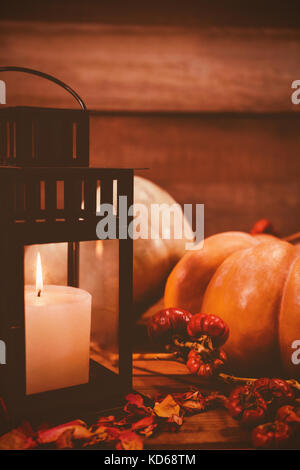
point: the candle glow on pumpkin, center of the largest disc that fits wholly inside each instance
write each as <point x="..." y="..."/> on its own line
<point x="39" y="276"/>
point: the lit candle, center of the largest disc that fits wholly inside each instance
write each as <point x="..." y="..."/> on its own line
<point x="57" y="332"/>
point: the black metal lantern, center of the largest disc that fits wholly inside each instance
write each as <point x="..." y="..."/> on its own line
<point x="39" y="148"/>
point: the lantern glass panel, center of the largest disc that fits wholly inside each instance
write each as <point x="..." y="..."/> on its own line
<point x="54" y="263"/>
<point x="99" y="275"/>
<point x="70" y="330"/>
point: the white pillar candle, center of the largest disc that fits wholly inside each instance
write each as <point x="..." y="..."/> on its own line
<point x="57" y="333"/>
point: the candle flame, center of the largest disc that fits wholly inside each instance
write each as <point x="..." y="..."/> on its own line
<point x="39" y="276"/>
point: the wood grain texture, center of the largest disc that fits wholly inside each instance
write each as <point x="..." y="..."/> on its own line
<point x="153" y="67"/>
<point x="241" y="168"/>
<point x="269" y="13"/>
<point x="214" y="429"/>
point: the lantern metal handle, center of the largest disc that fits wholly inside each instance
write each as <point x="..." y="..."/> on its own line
<point x="47" y="77"/>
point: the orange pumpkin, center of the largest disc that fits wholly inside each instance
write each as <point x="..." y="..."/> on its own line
<point x="253" y="283"/>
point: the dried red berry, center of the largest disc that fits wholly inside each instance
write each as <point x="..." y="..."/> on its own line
<point x="205" y="365"/>
<point x="210" y="325"/>
<point x="193" y="362"/>
<point x="271" y="435"/>
<point x="275" y="392"/>
<point x="290" y="415"/>
<point x="168" y="322"/>
<point x="247" y="406"/>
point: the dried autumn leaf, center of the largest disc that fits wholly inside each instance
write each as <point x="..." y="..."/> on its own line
<point x="65" y="440"/>
<point x="193" y="406"/>
<point x="99" y="435"/>
<point x="191" y="395"/>
<point x="135" y="399"/>
<point x="135" y="406"/>
<point x="105" y="420"/>
<point x="143" y="423"/>
<point x="129" y="440"/>
<point x="196" y="402"/>
<point x="124" y="422"/>
<point x="149" y="430"/>
<point x="102" y="434"/>
<point x="215" y="399"/>
<point x="172" y="424"/>
<point x="113" y="433"/>
<point x="17" y="440"/>
<point x="78" y="428"/>
<point x="137" y="420"/>
<point x="167" y="407"/>
<point x="178" y="420"/>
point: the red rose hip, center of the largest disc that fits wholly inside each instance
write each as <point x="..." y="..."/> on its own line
<point x="209" y="325"/>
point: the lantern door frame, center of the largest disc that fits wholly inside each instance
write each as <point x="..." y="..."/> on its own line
<point x="25" y="223"/>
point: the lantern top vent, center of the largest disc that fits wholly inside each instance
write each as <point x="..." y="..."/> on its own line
<point x="44" y="137"/>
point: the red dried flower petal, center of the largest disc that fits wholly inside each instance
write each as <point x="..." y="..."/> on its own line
<point x="129" y="440"/>
<point x="80" y="431"/>
<point x="143" y="423"/>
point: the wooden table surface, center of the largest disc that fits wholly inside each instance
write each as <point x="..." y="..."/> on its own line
<point x="214" y="429"/>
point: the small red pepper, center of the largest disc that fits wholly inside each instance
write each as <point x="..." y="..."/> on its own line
<point x="168" y="322"/>
<point x="247" y="406"/>
<point x="209" y="325"/>
<point x="205" y="365"/>
<point x="275" y="392"/>
<point x="290" y="415"/>
<point x="271" y="435"/>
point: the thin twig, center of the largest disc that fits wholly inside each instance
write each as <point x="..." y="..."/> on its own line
<point x="294" y="383"/>
<point x="154" y="356"/>
<point x="198" y="346"/>
<point x="231" y="379"/>
<point x="292" y="237"/>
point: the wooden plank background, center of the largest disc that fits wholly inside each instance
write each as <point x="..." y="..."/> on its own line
<point x="241" y="167"/>
<point x="198" y="93"/>
<point x="137" y="67"/>
<point x="269" y="13"/>
<point x="214" y="429"/>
